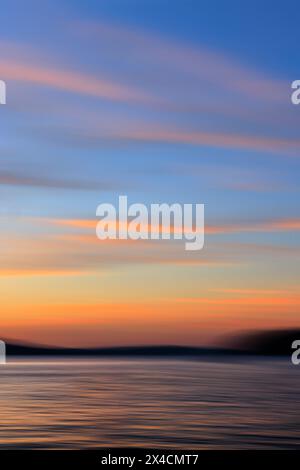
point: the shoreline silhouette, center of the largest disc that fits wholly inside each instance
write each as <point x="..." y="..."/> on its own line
<point x="265" y="343"/>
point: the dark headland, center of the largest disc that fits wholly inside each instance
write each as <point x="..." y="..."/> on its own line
<point x="266" y="343"/>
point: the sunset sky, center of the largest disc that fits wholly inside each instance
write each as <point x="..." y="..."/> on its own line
<point x="163" y="102"/>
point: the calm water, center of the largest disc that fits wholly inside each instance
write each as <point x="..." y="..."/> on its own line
<point x="81" y="404"/>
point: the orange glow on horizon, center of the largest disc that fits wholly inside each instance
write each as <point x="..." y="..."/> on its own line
<point x="193" y="318"/>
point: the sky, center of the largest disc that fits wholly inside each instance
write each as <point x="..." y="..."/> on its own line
<point x="181" y="101"/>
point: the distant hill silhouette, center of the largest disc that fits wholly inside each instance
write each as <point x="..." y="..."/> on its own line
<point x="267" y="343"/>
<point x="15" y="349"/>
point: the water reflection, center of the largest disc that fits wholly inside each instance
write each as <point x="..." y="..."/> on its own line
<point x="175" y="403"/>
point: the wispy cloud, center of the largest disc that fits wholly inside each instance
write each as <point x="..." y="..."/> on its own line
<point x="10" y="178"/>
<point x="257" y="292"/>
<point x="125" y="130"/>
<point x="269" y="225"/>
<point x="206" y="65"/>
<point x="198" y="80"/>
<point x="210" y="139"/>
<point x="73" y="249"/>
<point x="68" y="80"/>
<point x="64" y="253"/>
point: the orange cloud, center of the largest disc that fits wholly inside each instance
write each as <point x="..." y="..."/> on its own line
<point x="276" y="225"/>
<point x="271" y="225"/>
<point x="73" y="249"/>
<point x="259" y="301"/>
